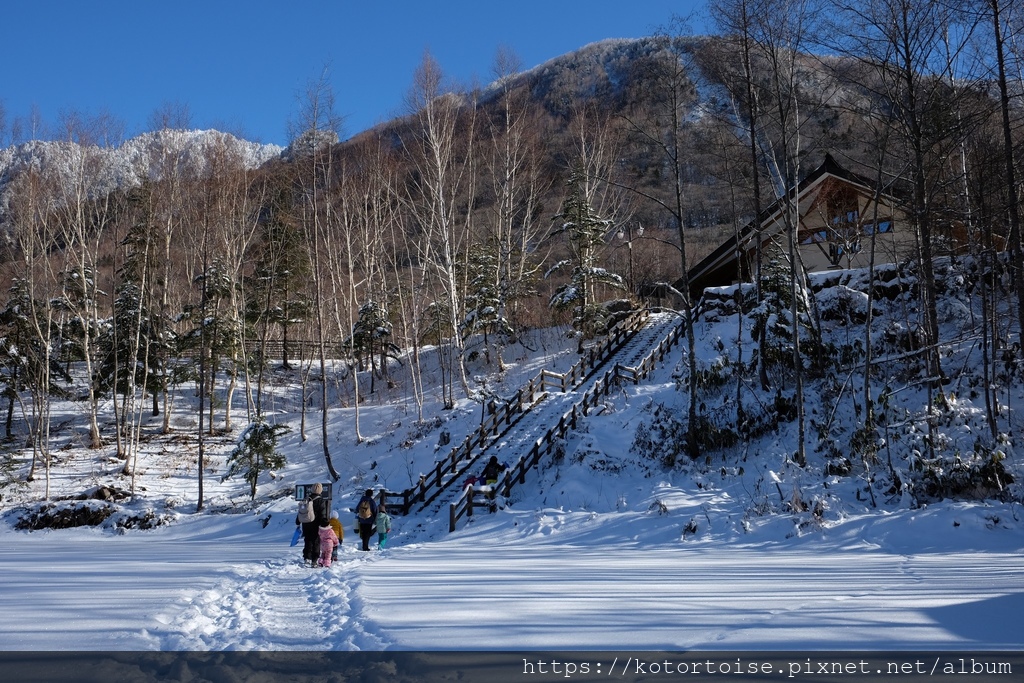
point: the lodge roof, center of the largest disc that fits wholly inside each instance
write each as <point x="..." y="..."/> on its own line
<point x="726" y="252"/>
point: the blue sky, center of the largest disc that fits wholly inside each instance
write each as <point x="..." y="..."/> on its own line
<point x="243" y="66"/>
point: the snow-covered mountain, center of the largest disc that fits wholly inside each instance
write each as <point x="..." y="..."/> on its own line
<point x="126" y="165"/>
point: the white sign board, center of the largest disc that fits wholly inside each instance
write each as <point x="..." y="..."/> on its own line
<point x="303" y="491"/>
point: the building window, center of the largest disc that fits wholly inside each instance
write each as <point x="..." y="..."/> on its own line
<point x="882" y="226"/>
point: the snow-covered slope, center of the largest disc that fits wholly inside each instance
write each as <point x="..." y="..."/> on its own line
<point x="603" y="547"/>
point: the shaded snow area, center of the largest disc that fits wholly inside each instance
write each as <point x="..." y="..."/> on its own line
<point x="608" y="545"/>
<point x="523" y="580"/>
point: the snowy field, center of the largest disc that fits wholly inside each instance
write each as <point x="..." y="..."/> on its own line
<point x="598" y="551"/>
<point x="540" y="579"/>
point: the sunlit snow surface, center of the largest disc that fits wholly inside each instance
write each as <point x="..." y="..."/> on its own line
<point x="597" y="551"/>
<point x="535" y="579"/>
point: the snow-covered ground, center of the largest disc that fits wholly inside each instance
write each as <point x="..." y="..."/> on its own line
<point x="535" y="579"/>
<point x="599" y="550"/>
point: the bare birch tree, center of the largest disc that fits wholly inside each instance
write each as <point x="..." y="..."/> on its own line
<point x="661" y="127"/>
<point x="440" y="152"/>
<point x="35" y="232"/>
<point x="84" y="210"/>
<point x="312" y="152"/>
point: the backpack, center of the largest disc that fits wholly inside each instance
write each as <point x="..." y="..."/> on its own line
<point x="305" y="514"/>
<point x="365" y="511"/>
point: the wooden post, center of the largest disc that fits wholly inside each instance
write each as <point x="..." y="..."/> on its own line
<point x="451" y="517"/>
<point x="469" y="502"/>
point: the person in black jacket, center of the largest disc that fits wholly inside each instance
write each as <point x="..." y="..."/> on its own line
<point x="492" y="470"/>
<point x="366" y="515"/>
<point x="321" y="506"/>
<point x="311" y="528"/>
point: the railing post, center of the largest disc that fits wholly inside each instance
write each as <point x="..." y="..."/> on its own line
<point x="469" y="502"/>
<point x="451" y="517"/>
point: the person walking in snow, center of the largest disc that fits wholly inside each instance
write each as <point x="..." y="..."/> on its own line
<point x="338" y="531"/>
<point x="321" y="505"/>
<point x="312" y="516"/>
<point x="328" y="545"/>
<point x="383" y="527"/>
<point x="366" y="515"/>
<point x="492" y="470"/>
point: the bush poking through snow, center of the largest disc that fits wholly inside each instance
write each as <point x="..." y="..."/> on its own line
<point x="976" y="476"/>
<point x="54" y="516"/>
<point x="70" y="515"/>
<point x="662" y="439"/>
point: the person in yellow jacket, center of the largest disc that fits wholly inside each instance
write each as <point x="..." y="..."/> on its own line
<point x="336" y="525"/>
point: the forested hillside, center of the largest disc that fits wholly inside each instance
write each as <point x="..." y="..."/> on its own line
<point x="562" y="194"/>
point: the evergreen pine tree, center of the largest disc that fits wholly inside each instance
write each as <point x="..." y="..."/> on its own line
<point x="371" y="339"/>
<point x="586" y="232"/>
<point x="486" y="297"/>
<point x="256" y="453"/>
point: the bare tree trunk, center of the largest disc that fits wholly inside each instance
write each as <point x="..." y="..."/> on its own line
<point x="444" y="171"/>
<point x="736" y="18"/>
<point x="34" y="235"/>
<point x="1013" y="197"/>
<point x="83" y="234"/>
<point x="670" y="76"/>
<point x="313" y="148"/>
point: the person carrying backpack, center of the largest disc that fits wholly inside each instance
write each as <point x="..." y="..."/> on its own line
<point x="366" y="515"/>
<point x="321" y="506"/>
<point x="309" y="516"/>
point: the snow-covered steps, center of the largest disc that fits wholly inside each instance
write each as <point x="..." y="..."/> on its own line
<point x="537" y="432"/>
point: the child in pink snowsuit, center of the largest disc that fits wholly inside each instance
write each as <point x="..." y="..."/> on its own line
<point x="328" y="542"/>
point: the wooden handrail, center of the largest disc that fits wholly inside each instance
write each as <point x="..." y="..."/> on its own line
<point x="488" y="428"/>
<point x="463" y="506"/>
